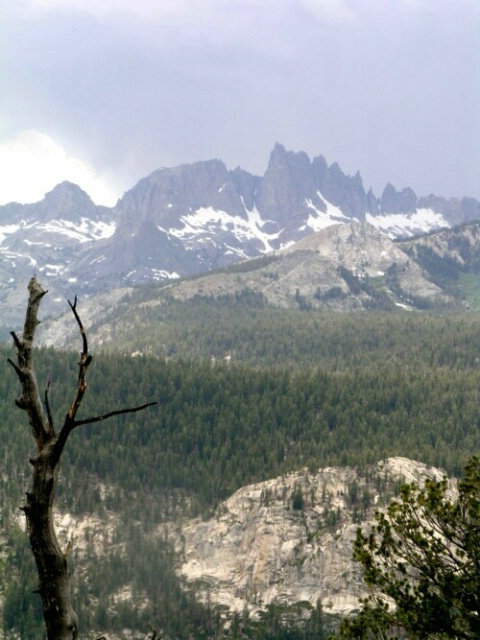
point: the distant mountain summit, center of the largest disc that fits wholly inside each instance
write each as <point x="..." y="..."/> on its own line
<point x="196" y="218"/>
<point x="202" y="217"/>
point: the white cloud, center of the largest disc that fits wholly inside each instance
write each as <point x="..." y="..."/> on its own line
<point x="32" y="163"/>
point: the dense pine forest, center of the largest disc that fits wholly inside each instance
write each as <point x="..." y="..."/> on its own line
<point x="245" y="393"/>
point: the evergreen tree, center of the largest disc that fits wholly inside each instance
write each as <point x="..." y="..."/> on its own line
<point x="423" y="554"/>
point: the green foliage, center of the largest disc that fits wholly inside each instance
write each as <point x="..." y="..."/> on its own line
<point x="424" y="555"/>
<point x="469" y="284"/>
<point x="375" y="387"/>
<point x="251" y="265"/>
<point x="245" y="329"/>
<point x="334" y="293"/>
<point x="299" y="621"/>
<point x="443" y="270"/>
<point x="377" y="298"/>
<point x="301" y="389"/>
<point x="393" y="281"/>
<point x="22" y="610"/>
<point x="298" y="501"/>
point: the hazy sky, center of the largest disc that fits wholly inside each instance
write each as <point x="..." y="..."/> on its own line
<point x="103" y="92"/>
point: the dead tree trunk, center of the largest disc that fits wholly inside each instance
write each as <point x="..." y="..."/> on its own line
<point x="60" y="618"/>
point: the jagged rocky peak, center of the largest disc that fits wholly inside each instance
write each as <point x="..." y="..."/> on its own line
<point x="168" y="194"/>
<point x="293" y="186"/>
<point x="345" y="192"/>
<point x="202" y="217"/>
<point x="288" y="183"/>
<point x="334" y="184"/>
<point x="373" y="204"/>
<point x="393" y="201"/>
<point x="247" y="186"/>
<point x="66" y="201"/>
<point x="320" y="168"/>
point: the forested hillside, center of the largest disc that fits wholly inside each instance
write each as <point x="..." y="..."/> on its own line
<point x="299" y="389"/>
<point x="244" y="328"/>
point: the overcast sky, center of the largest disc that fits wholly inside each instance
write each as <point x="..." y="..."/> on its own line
<point x="103" y="92"/>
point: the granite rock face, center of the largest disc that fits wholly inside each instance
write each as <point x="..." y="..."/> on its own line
<point x="290" y="539"/>
<point x="283" y="541"/>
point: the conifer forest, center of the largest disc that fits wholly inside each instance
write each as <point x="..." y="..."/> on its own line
<point x="245" y="393"/>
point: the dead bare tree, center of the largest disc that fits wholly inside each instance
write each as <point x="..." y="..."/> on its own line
<point x="60" y="618"/>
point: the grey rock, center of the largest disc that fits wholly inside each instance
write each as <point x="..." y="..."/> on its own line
<point x="259" y="549"/>
<point x="196" y="218"/>
<point x="393" y="201"/>
<point x="288" y="182"/>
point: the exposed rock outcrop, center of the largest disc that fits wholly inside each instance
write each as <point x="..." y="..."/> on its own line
<point x="290" y="539"/>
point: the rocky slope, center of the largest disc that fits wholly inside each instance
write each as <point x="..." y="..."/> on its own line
<point x="285" y="540"/>
<point x="458" y="247"/>
<point x="193" y="219"/>
<point x="290" y="539"/>
<point x="344" y="267"/>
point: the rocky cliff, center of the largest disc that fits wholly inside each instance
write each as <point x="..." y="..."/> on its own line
<point x="284" y="541"/>
<point x="290" y="539"/>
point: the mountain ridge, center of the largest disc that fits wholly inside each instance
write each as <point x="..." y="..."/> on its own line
<point x="196" y="218"/>
<point x="344" y="267"/>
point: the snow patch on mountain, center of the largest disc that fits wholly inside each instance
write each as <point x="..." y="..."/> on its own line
<point x="82" y="232"/>
<point x="257" y="225"/>
<point x="207" y="220"/>
<point x="161" y="274"/>
<point x="319" y="219"/>
<point x="7" y="230"/>
<point x="39" y="235"/>
<point x="408" y="224"/>
<point x="13" y="258"/>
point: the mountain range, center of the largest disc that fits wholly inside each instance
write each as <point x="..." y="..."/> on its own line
<point x="197" y="218"/>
